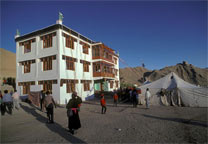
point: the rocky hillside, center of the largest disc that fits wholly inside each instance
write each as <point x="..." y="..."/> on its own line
<point x="187" y="72"/>
<point x="132" y="75"/>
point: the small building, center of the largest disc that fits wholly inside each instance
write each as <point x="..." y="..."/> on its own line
<point x="61" y="60"/>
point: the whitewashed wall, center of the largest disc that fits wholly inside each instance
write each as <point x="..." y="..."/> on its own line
<point x="78" y="74"/>
<point x="58" y="71"/>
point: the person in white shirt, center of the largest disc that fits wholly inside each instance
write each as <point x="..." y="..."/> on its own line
<point x="7" y="102"/>
<point x="147" y="97"/>
<point x="15" y="97"/>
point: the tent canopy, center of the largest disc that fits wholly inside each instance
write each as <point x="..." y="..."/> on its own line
<point x="179" y="92"/>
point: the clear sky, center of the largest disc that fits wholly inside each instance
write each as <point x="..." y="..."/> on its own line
<point x="156" y="33"/>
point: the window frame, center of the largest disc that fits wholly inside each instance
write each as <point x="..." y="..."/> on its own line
<point x="86" y="86"/>
<point x="70" y="87"/>
<point x="27" y="47"/>
<point x="86" y="67"/>
<point x="27" y="68"/>
<point x="48" y="41"/>
<point x="26" y="89"/>
<point x="85" y="49"/>
<point x="47" y="87"/>
<point x="47" y="64"/>
<point x="70" y="65"/>
<point x="111" y="84"/>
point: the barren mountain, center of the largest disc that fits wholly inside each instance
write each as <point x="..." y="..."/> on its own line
<point x="132" y="75"/>
<point x="187" y="72"/>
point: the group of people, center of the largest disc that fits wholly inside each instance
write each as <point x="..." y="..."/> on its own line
<point x="131" y="94"/>
<point x="8" y="101"/>
<point x="73" y="108"/>
<point x="11" y="100"/>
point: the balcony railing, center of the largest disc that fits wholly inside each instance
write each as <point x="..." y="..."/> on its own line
<point x="103" y="74"/>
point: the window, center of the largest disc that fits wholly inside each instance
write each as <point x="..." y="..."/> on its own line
<point x="27" y="68"/>
<point x="115" y="60"/>
<point x="116" y="72"/>
<point x="69" y="42"/>
<point x="117" y="84"/>
<point x="96" y="51"/>
<point x="47" y="64"/>
<point x="70" y="87"/>
<point x="26" y="89"/>
<point x="70" y="64"/>
<point x="86" y="86"/>
<point x="111" y="84"/>
<point x="97" y="67"/>
<point x="85" y="49"/>
<point x="48" y="40"/>
<point x="47" y="87"/>
<point x="86" y="67"/>
<point x="27" y="47"/>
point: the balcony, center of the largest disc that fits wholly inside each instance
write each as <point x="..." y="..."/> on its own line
<point x="101" y="51"/>
<point x="103" y="74"/>
<point x="103" y="69"/>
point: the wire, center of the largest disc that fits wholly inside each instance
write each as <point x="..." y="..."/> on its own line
<point x="133" y="70"/>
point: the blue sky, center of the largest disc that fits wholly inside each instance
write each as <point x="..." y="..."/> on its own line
<point x="156" y="33"/>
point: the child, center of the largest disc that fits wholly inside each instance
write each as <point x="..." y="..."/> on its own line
<point x="103" y="104"/>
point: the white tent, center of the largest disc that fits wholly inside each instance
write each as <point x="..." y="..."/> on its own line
<point x="178" y="93"/>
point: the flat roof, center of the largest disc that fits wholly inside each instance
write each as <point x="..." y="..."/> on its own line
<point x="52" y="28"/>
<point x="55" y="27"/>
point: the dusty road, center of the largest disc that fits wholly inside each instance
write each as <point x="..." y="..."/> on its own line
<point x="122" y="124"/>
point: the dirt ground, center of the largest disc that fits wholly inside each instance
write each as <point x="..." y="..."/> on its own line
<point x="122" y="124"/>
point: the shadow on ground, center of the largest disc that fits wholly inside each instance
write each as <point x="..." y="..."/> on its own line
<point x="180" y="120"/>
<point x="56" y="128"/>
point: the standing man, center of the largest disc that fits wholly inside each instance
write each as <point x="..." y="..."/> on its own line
<point x="73" y="108"/>
<point x="103" y="104"/>
<point x="49" y="103"/>
<point x="42" y="97"/>
<point x="147" y="97"/>
<point x="15" y="97"/>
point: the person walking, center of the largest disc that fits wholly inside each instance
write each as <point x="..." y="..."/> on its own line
<point x="115" y="97"/>
<point x="7" y="102"/>
<point x="134" y="97"/>
<point x="42" y="97"/>
<point x="49" y="104"/>
<point x="15" y="97"/>
<point x="73" y="108"/>
<point x="103" y="104"/>
<point x="147" y="97"/>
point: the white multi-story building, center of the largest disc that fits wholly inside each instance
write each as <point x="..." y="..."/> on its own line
<point x="61" y="60"/>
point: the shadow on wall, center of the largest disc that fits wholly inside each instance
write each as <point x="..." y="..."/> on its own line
<point x="181" y="120"/>
<point x="56" y="128"/>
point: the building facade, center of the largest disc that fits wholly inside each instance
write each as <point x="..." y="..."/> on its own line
<point x="61" y="60"/>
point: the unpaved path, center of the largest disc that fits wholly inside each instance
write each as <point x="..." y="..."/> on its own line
<point x="122" y="124"/>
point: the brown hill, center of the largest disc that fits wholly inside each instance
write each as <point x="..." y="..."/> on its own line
<point x="187" y="72"/>
<point x="132" y="75"/>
